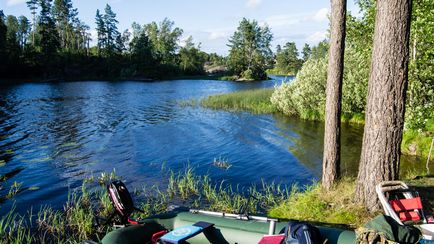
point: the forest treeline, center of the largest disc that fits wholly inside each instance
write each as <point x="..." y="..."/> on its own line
<point x="55" y="43"/>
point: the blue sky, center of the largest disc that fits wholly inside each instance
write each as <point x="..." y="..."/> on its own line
<point x="212" y="22"/>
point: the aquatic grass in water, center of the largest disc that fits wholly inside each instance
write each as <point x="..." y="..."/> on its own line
<point x="14" y="190"/>
<point x="256" y="101"/>
<point x="222" y="163"/>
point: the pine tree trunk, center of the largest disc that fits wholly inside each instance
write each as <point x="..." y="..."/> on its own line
<point x="387" y="87"/>
<point x="332" y="134"/>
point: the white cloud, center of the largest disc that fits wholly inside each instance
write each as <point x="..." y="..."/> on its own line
<point x="14" y="2"/>
<point x="316" y="37"/>
<point x="282" y="20"/>
<point x="253" y="3"/>
<point x="219" y="34"/>
<point x="321" y="15"/>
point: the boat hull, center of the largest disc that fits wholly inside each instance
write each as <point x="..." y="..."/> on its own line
<point x="231" y="230"/>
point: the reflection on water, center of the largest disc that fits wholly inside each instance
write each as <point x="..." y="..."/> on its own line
<point x="52" y="135"/>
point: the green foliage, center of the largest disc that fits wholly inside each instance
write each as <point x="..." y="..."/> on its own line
<point x="250" y="54"/>
<point x="306" y="52"/>
<point x="256" y="101"/>
<point x="418" y="142"/>
<point x="305" y="96"/>
<point x="49" y="41"/>
<point x="164" y="39"/>
<point x="420" y="96"/>
<point x="287" y="61"/>
<point x="320" y="51"/>
<point x="108" y="34"/>
<point x="191" y="58"/>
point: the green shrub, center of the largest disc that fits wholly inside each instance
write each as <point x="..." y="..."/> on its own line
<point x="305" y="96"/>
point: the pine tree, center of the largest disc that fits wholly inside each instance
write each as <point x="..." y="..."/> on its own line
<point x="306" y="52"/>
<point x="3" y="33"/>
<point x="101" y="32"/>
<point x="33" y="6"/>
<point x="250" y="54"/>
<point x="63" y="15"/>
<point x="12" y="42"/>
<point x="335" y="73"/>
<point x="23" y="31"/>
<point x="111" y="31"/>
<point x="287" y="59"/>
<point x="384" y="120"/>
<point x="49" y="43"/>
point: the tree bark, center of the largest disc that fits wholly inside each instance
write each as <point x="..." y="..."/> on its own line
<point x="387" y="87"/>
<point x="332" y="134"/>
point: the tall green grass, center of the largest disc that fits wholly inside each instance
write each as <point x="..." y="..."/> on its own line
<point x="75" y="222"/>
<point x="255" y="101"/>
<point x="315" y="204"/>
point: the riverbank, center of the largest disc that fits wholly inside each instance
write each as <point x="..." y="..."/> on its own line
<point x="76" y="222"/>
<point x="414" y="143"/>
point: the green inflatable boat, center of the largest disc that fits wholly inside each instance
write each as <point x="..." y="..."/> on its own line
<point x="227" y="228"/>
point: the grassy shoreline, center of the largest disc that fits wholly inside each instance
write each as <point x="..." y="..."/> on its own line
<point x="75" y="222"/>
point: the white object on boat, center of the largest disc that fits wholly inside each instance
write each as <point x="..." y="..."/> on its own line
<point x="427" y="231"/>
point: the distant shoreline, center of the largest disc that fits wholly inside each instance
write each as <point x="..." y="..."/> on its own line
<point x="15" y="81"/>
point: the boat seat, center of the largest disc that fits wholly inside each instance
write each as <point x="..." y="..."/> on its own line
<point x="408" y="209"/>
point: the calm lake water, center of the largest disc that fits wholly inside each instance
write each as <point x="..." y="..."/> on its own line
<point x="53" y="135"/>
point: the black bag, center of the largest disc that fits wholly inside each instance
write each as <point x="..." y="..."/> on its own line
<point x="300" y="232"/>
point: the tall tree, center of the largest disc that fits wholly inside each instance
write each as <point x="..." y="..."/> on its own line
<point x="384" y="120"/>
<point x="250" y="54"/>
<point x="101" y="31"/>
<point x="63" y="14"/>
<point x="191" y="58"/>
<point x="23" y="30"/>
<point x="306" y="52"/>
<point x="111" y="31"/>
<point x="3" y="33"/>
<point x="287" y="59"/>
<point x="320" y="51"/>
<point x="141" y="53"/>
<point x="332" y="133"/>
<point x="164" y="38"/>
<point x="49" y="42"/>
<point x="33" y="6"/>
<point x="13" y="46"/>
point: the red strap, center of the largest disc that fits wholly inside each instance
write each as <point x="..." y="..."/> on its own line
<point x="133" y="221"/>
<point x="409" y="216"/>
<point x="156" y="236"/>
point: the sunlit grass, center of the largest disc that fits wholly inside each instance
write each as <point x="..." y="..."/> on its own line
<point x="256" y="101"/>
<point x="315" y="204"/>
